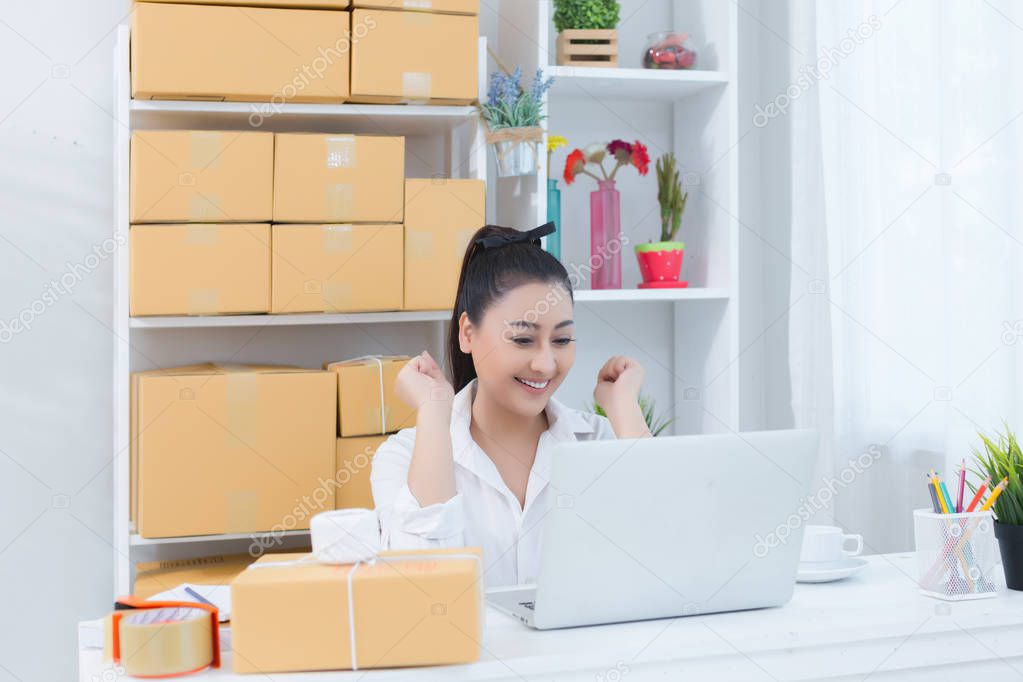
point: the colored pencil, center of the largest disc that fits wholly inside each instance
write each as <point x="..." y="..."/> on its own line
<point x="980" y="493"/>
<point x="995" y="493"/>
<point x="962" y="486"/>
<point x="934" y="497"/>
<point x="948" y="498"/>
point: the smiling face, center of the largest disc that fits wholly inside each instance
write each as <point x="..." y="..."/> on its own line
<point x="523" y="347"/>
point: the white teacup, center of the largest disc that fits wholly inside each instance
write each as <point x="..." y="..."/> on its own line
<point x="827" y="543"/>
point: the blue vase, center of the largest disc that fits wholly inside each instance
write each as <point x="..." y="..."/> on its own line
<point x="554" y="216"/>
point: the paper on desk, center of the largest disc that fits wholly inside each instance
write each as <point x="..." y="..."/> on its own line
<point x="218" y="595"/>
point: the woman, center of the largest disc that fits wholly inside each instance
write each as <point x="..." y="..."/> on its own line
<point x="474" y="470"/>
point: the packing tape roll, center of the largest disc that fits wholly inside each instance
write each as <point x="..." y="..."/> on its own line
<point x="345" y="536"/>
<point x="165" y="641"/>
<point x="340" y="151"/>
<point x="205" y="149"/>
<point x="416" y="86"/>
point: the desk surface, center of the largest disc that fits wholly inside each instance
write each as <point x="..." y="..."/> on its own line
<point x="873" y="624"/>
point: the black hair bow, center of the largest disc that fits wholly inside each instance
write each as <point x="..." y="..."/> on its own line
<point x="533" y="236"/>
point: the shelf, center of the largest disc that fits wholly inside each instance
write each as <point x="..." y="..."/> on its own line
<point x="298" y="320"/>
<point x="643" y="295"/>
<point x="139" y="541"/>
<point x="408" y="119"/>
<point x="577" y="82"/>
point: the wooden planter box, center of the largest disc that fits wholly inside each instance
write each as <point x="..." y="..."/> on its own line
<point x="588" y="47"/>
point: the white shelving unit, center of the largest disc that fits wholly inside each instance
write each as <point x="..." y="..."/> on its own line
<point x="686" y="338"/>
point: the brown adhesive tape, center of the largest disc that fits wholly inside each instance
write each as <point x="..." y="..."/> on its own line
<point x="205" y="149"/>
<point x="340" y="151"/>
<point x="338" y="238"/>
<point x="203" y="301"/>
<point x="339" y="198"/>
<point x="165" y="641"/>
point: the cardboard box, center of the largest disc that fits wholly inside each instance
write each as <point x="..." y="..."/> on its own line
<point x="414" y="57"/>
<point x="338" y="178"/>
<point x="199" y="269"/>
<point x="247" y="54"/>
<point x="297" y="4"/>
<point x="231" y="449"/>
<point x="440" y="218"/>
<point x="410" y="608"/>
<point x="336" y="268"/>
<point x="201" y="176"/>
<point x="354" y="462"/>
<point x="441" y="6"/>
<point x="358" y="396"/>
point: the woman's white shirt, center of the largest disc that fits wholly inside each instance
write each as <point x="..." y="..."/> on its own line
<point x="484" y="512"/>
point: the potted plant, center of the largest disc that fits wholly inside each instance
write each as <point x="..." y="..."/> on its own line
<point x="656" y="423"/>
<point x="587" y="34"/>
<point x="661" y="262"/>
<point x="554" y="143"/>
<point x="1001" y="459"/>
<point x="513" y="116"/>
<point x="605" y="204"/>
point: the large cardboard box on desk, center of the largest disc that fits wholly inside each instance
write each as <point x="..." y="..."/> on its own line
<point x="201" y="176"/>
<point x="362" y="383"/>
<point x="231" y="449"/>
<point x="443" y="6"/>
<point x="338" y="178"/>
<point x="441" y="216"/>
<point x="336" y="268"/>
<point x="199" y="269"/>
<point x="246" y="54"/>
<point x="354" y="463"/>
<point x="297" y="4"/>
<point x="414" y="57"/>
<point x="409" y="608"/>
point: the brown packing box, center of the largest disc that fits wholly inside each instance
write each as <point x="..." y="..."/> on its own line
<point x="338" y="178"/>
<point x="445" y="6"/>
<point x="231" y="449"/>
<point x="440" y="218"/>
<point x="201" y="176"/>
<point x="297" y="4"/>
<point x="414" y="56"/>
<point x="411" y="608"/>
<point x="199" y="269"/>
<point x="247" y="54"/>
<point x="354" y="462"/>
<point x="336" y="268"/>
<point x="159" y="576"/>
<point x="358" y="396"/>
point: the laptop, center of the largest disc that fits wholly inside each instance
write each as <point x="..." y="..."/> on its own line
<point x="669" y="526"/>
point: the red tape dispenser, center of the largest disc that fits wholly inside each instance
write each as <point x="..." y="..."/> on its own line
<point x="164" y="638"/>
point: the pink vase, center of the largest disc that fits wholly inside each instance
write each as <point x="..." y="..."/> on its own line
<point x="605" y="237"/>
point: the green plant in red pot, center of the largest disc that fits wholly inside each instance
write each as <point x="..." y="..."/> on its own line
<point x="660" y="263"/>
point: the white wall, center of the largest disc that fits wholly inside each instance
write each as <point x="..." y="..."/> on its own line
<point x="55" y="428"/>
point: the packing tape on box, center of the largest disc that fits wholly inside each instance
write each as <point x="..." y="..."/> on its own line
<point x="338" y="238"/>
<point x="418" y="4"/>
<point x="340" y="151"/>
<point x="338" y="297"/>
<point x="339" y="200"/>
<point x="204" y="206"/>
<point x="242" y="511"/>
<point x="203" y="301"/>
<point x="419" y="244"/>
<point x="162" y="639"/>
<point x="416" y="86"/>
<point x="202" y="234"/>
<point x="241" y="426"/>
<point x="205" y="149"/>
<point x="346" y="533"/>
<point x="462" y="239"/>
<point x="375" y="412"/>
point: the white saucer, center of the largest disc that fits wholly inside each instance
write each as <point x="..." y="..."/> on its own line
<point x="827" y="571"/>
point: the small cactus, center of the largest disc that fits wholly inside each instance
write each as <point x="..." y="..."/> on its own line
<point x="670" y="196"/>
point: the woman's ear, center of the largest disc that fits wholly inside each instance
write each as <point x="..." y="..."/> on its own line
<point x="465" y="333"/>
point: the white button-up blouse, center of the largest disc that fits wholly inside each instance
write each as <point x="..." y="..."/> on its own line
<point x="484" y="512"/>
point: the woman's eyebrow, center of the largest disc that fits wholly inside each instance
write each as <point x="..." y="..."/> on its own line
<point x="534" y="325"/>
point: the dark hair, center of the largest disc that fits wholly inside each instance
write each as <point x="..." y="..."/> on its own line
<point x="487" y="275"/>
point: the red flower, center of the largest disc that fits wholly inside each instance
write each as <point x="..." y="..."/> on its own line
<point x="640" y="158"/>
<point x="573" y="165"/>
<point x="619" y="149"/>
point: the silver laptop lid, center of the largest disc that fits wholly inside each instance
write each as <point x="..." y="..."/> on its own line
<point x="670" y="526"/>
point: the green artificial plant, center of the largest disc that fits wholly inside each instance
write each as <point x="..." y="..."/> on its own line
<point x="654" y="422"/>
<point x="670" y="196"/>
<point x="1002" y="458"/>
<point x="585" y="14"/>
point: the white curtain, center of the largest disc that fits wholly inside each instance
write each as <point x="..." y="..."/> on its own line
<point x="906" y="320"/>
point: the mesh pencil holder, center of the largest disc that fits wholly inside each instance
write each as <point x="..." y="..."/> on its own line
<point x="956" y="554"/>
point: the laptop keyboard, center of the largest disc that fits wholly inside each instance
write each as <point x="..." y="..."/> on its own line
<point x="528" y="604"/>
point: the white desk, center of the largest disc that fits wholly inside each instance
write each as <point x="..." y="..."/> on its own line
<point x="874" y="624"/>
